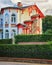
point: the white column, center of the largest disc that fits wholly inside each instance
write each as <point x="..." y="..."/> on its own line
<point x="16" y="31"/>
<point x="3" y="33"/>
<point x="3" y="26"/>
<point x="16" y="23"/>
<point x="9" y="25"/>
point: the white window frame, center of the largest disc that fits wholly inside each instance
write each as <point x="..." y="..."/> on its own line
<point x="13" y="18"/>
<point x="6" y="18"/>
<point x="6" y="34"/>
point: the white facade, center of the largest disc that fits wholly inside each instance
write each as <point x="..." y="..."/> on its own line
<point x="6" y="20"/>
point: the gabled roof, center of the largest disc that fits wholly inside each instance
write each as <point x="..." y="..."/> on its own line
<point x="35" y="7"/>
<point x="39" y="11"/>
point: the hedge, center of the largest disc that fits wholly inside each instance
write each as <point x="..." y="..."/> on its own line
<point x="26" y="51"/>
<point x="5" y="41"/>
<point x="33" y="38"/>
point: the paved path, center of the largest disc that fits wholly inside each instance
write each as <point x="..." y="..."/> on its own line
<point x="27" y="60"/>
<point x="19" y="63"/>
<point x="34" y="43"/>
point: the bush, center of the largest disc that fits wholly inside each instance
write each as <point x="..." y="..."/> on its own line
<point x="33" y="38"/>
<point x="5" y="41"/>
<point x="26" y="51"/>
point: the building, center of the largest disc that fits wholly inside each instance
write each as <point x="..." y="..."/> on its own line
<point x="20" y="20"/>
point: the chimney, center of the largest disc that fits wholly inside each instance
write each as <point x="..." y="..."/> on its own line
<point x="19" y="4"/>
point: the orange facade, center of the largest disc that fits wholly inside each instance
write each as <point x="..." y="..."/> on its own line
<point x="32" y="26"/>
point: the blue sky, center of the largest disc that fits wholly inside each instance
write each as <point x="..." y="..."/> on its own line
<point x="42" y="5"/>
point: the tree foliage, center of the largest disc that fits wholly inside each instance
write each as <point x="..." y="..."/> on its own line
<point x="47" y="24"/>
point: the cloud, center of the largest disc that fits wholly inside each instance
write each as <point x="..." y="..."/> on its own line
<point x="46" y="5"/>
<point x="42" y="5"/>
<point x="4" y="3"/>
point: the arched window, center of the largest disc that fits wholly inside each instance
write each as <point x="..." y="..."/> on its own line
<point x="13" y="18"/>
<point x="1" y="22"/>
<point x="6" y="18"/>
<point x="6" y="34"/>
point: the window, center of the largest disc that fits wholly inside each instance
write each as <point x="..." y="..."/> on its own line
<point x="1" y="22"/>
<point x="6" y="34"/>
<point x="1" y="19"/>
<point x="6" y="18"/>
<point x="33" y="12"/>
<point x="13" y="18"/>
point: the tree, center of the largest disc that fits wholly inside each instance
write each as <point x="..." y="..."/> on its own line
<point x="47" y="25"/>
<point x="49" y="31"/>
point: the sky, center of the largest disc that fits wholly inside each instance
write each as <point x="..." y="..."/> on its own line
<point x="46" y="5"/>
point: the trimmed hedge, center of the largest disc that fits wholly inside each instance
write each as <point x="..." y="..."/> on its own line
<point x="33" y="38"/>
<point x="26" y="51"/>
<point x="5" y="41"/>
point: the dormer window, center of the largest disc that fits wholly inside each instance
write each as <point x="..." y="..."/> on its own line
<point x="13" y="18"/>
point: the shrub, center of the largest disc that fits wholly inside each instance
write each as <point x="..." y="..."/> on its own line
<point x="26" y="51"/>
<point x="5" y="41"/>
<point x="33" y="38"/>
